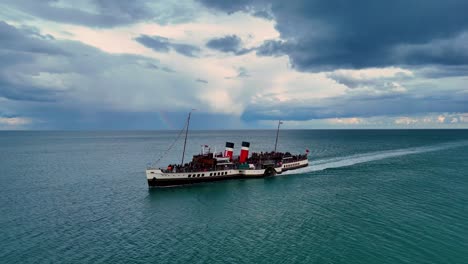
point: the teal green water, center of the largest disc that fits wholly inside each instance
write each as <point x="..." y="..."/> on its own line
<point x="369" y="196"/>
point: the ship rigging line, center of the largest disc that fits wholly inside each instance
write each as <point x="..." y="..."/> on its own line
<point x="170" y="146"/>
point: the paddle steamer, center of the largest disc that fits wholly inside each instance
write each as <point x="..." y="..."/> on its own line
<point x="211" y="166"/>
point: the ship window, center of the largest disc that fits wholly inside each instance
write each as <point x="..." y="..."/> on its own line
<point x="203" y="175"/>
<point x="198" y="175"/>
<point x="219" y="173"/>
<point x="225" y="173"/>
<point x="152" y="172"/>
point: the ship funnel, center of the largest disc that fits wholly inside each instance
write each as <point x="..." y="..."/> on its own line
<point x="229" y="150"/>
<point x="244" y="154"/>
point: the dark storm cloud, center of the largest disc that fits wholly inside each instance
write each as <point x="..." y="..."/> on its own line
<point x="162" y="44"/>
<point x="325" y="35"/>
<point x="229" y="43"/>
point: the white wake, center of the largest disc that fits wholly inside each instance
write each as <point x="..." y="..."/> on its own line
<point x="318" y="165"/>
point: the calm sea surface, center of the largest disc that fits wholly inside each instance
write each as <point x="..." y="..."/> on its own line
<point x="369" y="196"/>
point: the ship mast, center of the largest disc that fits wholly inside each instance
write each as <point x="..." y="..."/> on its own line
<point x="277" y="133"/>
<point x="186" y="133"/>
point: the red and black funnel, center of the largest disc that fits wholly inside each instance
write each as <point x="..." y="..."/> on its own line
<point x="244" y="154"/>
<point x="228" y="151"/>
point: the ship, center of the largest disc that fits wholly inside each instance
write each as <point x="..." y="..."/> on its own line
<point x="208" y="166"/>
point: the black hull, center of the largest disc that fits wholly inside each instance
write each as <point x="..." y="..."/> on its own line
<point x="185" y="181"/>
<point x="295" y="168"/>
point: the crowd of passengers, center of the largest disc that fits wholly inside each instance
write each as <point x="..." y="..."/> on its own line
<point x="256" y="159"/>
<point x="275" y="156"/>
<point x="193" y="167"/>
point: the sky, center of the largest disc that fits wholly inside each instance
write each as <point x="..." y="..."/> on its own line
<point x="118" y="64"/>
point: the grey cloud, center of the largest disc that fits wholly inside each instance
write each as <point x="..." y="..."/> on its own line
<point x="357" y="106"/>
<point x="186" y="49"/>
<point x="241" y="73"/>
<point x="154" y="66"/>
<point x="167" y="69"/>
<point x="21" y="92"/>
<point x="264" y="14"/>
<point x="229" y="43"/>
<point x="162" y="44"/>
<point x="201" y="81"/>
<point x="30" y="41"/>
<point x="155" y="43"/>
<point x="47" y="10"/>
<point x="105" y="13"/>
<point x="353" y="82"/>
<point x="442" y="71"/>
<point x="228" y="6"/>
<point x="274" y="48"/>
<point x="20" y="47"/>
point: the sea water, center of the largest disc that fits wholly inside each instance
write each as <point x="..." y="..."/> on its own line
<point x="368" y="196"/>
